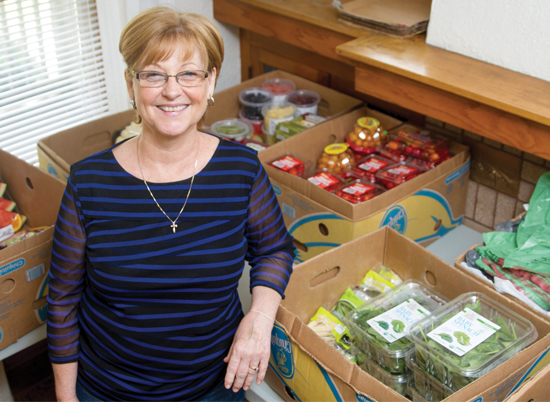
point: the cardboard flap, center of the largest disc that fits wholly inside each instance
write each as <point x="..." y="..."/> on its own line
<point x="391" y="12"/>
<point x="37" y="194"/>
<point x="71" y="146"/>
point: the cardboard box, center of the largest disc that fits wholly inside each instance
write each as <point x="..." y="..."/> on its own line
<point x="24" y="266"/>
<point x="333" y="103"/>
<point x="307" y="368"/>
<point x="59" y="151"/>
<point x="537" y="387"/>
<point x="423" y="209"/>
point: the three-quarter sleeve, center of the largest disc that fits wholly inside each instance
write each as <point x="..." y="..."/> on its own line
<point x="67" y="279"/>
<point x="270" y="249"/>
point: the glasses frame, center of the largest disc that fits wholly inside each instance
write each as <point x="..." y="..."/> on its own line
<point x="167" y="76"/>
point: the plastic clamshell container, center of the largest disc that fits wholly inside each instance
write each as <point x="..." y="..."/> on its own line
<point x="234" y="129"/>
<point x="447" y="365"/>
<point x="419" y="144"/>
<point x="398" y="382"/>
<point x="252" y="100"/>
<point x="394" y="175"/>
<point x="429" y="387"/>
<point x="391" y="355"/>
<point x="293" y="164"/>
<point x="414" y="395"/>
<point x="275" y="113"/>
<point x="367" y="135"/>
<point x="367" y="167"/>
<point x="279" y="87"/>
<point x="256" y="124"/>
<point x="337" y="158"/>
<point x="359" y="191"/>
<point x="306" y="101"/>
<point x="325" y="179"/>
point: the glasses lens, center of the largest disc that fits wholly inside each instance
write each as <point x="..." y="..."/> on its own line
<point x="152" y="78"/>
<point x="191" y="78"/>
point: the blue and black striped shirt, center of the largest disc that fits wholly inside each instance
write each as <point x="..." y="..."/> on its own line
<point x="149" y="314"/>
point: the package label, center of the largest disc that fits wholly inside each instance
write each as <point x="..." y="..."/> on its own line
<point x="463" y="332"/>
<point x="358" y="189"/>
<point x="323" y="180"/>
<point x="393" y="323"/>
<point x="12" y="266"/>
<point x="402" y="170"/>
<point x="6" y="232"/>
<point x="373" y="165"/>
<point x="35" y="272"/>
<point x="287" y="163"/>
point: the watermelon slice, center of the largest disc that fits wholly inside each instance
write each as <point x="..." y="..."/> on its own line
<point x="7" y="205"/>
<point x="11" y="218"/>
<point x="3" y="187"/>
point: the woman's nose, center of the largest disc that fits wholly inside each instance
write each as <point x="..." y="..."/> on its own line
<point x="172" y="89"/>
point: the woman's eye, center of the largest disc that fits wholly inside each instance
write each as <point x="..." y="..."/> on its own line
<point x="153" y="75"/>
<point x="189" y="74"/>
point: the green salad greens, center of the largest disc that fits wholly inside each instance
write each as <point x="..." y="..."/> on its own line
<point x="472" y="360"/>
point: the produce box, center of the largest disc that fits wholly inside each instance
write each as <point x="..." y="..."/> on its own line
<point x="536" y="389"/>
<point x="59" y="151"/>
<point x="332" y="104"/>
<point x="304" y="367"/>
<point x="423" y="209"/>
<point x="24" y="265"/>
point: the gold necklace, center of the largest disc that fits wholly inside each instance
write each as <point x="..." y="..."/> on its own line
<point x="173" y="225"/>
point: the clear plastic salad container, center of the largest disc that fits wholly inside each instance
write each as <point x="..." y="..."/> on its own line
<point x="469" y="337"/>
<point x="429" y="387"/>
<point x="398" y="382"/>
<point x="233" y="129"/>
<point x="414" y="395"/>
<point x="379" y="326"/>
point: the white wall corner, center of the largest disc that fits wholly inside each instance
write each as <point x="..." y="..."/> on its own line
<point x="508" y="33"/>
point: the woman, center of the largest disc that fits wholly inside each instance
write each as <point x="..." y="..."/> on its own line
<point x="152" y="237"/>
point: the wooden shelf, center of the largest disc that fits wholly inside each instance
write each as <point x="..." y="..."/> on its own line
<point x="491" y="85"/>
<point x="306" y="37"/>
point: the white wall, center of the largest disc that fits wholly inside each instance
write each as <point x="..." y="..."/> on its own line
<point x="114" y="14"/>
<point x="509" y="33"/>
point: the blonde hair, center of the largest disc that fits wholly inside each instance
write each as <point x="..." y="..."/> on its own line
<point x="154" y="34"/>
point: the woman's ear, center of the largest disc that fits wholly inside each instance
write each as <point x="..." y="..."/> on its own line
<point x="129" y="84"/>
<point x="212" y="81"/>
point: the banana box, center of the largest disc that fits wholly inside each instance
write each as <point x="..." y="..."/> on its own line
<point x="24" y="266"/>
<point x="423" y="209"/>
<point x="303" y="367"/>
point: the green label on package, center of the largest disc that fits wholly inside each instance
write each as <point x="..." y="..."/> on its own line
<point x="393" y="323"/>
<point x="336" y="327"/>
<point x="377" y="282"/>
<point x="463" y="332"/>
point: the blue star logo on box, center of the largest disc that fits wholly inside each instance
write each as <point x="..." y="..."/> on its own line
<point x="281" y="352"/>
<point x="396" y="218"/>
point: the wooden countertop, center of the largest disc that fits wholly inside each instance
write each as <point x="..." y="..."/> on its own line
<point x="316" y="12"/>
<point x="501" y="104"/>
<point x="503" y="89"/>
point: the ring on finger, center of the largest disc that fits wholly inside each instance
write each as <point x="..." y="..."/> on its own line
<point x="253" y="368"/>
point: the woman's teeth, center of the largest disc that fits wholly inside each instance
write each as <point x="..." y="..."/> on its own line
<point x="172" y="109"/>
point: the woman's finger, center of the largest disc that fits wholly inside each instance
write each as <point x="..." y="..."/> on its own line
<point x="252" y="371"/>
<point x="262" y="369"/>
<point x="241" y="376"/>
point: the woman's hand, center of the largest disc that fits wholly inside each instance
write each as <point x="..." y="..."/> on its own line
<point x="249" y="353"/>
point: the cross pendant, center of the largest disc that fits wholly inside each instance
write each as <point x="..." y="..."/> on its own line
<point x="174" y="226"/>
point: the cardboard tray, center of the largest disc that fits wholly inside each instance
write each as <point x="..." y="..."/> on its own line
<point x="24" y="266"/>
<point x="321" y="281"/>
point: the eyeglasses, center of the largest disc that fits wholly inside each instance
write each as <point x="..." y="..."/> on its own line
<point x="154" y="79"/>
